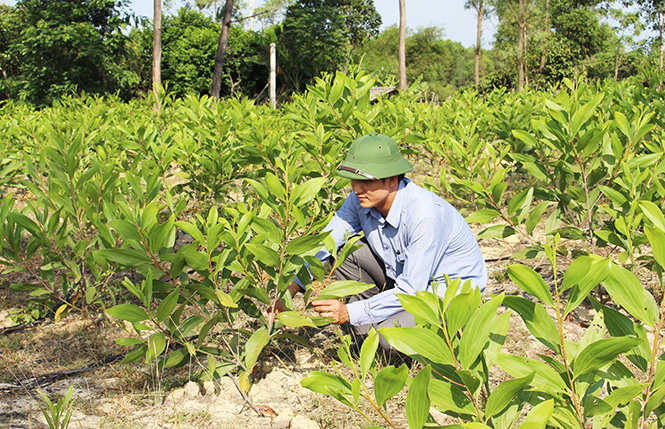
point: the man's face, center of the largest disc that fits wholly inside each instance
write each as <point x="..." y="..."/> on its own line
<point x="373" y="193"/>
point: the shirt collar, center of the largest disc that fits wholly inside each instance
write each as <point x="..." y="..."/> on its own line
<point x="395" y="213"/>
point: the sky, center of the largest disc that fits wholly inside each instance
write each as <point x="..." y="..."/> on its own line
<point x="457" y="23"/>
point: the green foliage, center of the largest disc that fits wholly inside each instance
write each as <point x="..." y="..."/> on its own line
<point x="99" y="189"/>
<point x="443" y="65"/>
<point x="317" y="36"/>
<point x="58" y="415"/>
<point x="63" y="47"/>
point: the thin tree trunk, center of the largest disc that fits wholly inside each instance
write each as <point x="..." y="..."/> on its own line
<point x="543" y="56"/>
<point x="157" y="46"/>
<point x="660" y="36"/>
<point x="402" y="45"/>
<point x="479" y="34"/>
<point x="216" y="86"/>
<point x="521" y="24"/>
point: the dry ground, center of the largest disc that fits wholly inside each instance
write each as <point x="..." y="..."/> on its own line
<point x="137" y="396"/>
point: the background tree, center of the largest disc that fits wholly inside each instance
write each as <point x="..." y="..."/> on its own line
<point x="653" y="13"/>
<point x="443" y="65"/>
<point x="319" y="35"/>
<point x="67" y="45"/>
<point x="216" y="86"/>
<point x="482" y="12"/>
<point x="190" y="40"/>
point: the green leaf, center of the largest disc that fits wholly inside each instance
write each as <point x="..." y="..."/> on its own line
<point x="343" y="288"/>
<point x="256" y="293"/>
<point x="654" y="213"/>
<point x="304" y="244"/>
<point x="497" y="231"/>
<point x="128" y="341"/>
<point x="127" y="257"/>
<point x="450" y="399"/>
<point x="389" y="382"/>
<point x="254" y="347"/>
<point x="367" y="352"/>
<point x="264" y="254"/>
<point x="469" y="380"/>
<point x="304" y="193"/>
<point x="535" y="216"/>
<point x="600" y="353"/>
<point x="156" y="345"/>
<point x="417" y="400"/>
<point x="418" y="341"/>
<point x="525" y="138"/>
<point x="175" y="358"/>
<point x="538" y="416"/>
<point x="128" y="312"/>
<point x="189" y="324"/>
<point x="619" y="325"/>
<point x="627" y="291"/>
<point x="296" y="319"/>
<point x="617" y="197"/>
<point x="537" y="321"/>
<point x="192" y="230"/>
<point x="657" y="241"/>
<point x="622" y="123"/>
<point x="275" y="186"/>
<point x="504" y="394"/>
<point x="225" y="299"/>
<point x="460" y="310"/>
<point x="418" y="307"/>
<point x="483" y="216"/>
<point x="167" y="305"/>
<point x="545" y="378"/>
<point x="328" y="384"/>
<point x="126" y="229"/>
<point x="477" y="331"/>
<point x="136" y="354"/>
<point x="656" y="399"/>
<point x="585" y="273"/>
<point x="530" y="282"/>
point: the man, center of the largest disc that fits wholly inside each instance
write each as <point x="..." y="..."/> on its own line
<point x="411" y="239"/>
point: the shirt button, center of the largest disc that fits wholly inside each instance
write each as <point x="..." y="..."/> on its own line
<point x="388" y="266"/>
<point x="387" y="247"/>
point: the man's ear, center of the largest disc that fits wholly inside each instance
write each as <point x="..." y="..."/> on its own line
<point x="393" y="182"/>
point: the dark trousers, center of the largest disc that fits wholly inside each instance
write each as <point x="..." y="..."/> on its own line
<point x="365" y="266"/>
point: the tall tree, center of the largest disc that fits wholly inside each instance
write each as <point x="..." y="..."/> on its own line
<point x="653" y="12"/>
<point x="65" y="46"/>
<point x="402" y="45"/>
<point x="157" y="46"/>
<point x="482" y="11"/>
<point x="319" y="35"/>
<point x="218" y="70"/>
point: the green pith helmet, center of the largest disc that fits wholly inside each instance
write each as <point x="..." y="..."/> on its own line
<point x="373" y="156"/>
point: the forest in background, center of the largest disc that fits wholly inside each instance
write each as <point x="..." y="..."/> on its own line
<point x="50" y="49"/>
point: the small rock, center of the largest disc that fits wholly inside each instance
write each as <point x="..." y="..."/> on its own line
<point x="177" y="394"/>
<point x="284" y="424"/>
<point x="209" y="389"/>
<point x="304" y="357"/>
<point x="302" y="422"/>
<point x="192" y="389"/>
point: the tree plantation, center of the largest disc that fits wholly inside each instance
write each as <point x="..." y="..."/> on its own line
<point x="181" y="219"/>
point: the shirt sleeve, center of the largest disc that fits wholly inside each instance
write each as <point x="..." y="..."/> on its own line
<point x="427" y="241"/>
<point x="345" y="223"/>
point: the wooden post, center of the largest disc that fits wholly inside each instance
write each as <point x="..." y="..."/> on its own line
<point x="273" y="76"/>
<point x="157" y="46"/>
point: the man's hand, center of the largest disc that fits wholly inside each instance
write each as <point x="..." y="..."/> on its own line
<point x="333" y="309"/>
<point x="294" y="288"/>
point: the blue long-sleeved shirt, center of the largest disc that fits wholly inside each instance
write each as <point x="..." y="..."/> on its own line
<point x="422" y="238"/>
